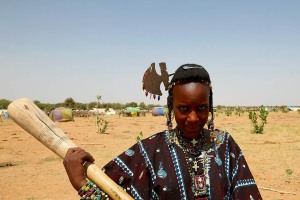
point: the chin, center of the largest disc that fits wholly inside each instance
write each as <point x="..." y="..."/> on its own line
<point x="192" y="133"/>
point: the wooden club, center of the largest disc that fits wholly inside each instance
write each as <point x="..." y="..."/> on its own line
<point x="27" y="115"/>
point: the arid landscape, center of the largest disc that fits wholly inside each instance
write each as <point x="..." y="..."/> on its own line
<point x="30" y="171"/>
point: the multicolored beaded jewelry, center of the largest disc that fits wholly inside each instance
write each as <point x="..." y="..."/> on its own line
<point x="193" y="147"/>
<point x="91" y="191"/>
<point x="195" y="153"/>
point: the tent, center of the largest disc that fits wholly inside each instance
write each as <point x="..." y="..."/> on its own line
<point x="293" y="108"/>
<point x="4" y="113"/>
<point x="132" y="112"/>
<point x="109" y="111"/>
<point x="158" y="111"/>
<point x="61" y="114"/>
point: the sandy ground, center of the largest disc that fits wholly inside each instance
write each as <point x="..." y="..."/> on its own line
<point x="30" y="171"/>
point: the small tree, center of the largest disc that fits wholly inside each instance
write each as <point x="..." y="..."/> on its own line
<point x="259" y="128"/>
<point x="263" y="114"/>
<point x="143" y="105"/>
<point x="4" y="103"/>
<point x="238" y="111"/>
<point x="69" y="102"/>
<point x="98" y="103"/>
<point x="228" y="111"/>
<point x="101" y="123"/>
<point x="131" y="104"/>
<point x="284" y="109"/>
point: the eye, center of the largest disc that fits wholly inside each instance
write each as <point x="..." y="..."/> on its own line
<point x="202" y="107"/>
<point x="183" y="108"/>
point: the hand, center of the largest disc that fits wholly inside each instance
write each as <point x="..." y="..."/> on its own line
<point x="73" y="163"/>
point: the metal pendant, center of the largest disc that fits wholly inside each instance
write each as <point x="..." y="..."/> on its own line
<point x="199" y="185"/>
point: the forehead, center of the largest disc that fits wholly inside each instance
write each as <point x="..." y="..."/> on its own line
<point x="190" y="92"/>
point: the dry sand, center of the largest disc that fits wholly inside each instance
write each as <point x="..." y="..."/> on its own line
<point x="30" y="171"/>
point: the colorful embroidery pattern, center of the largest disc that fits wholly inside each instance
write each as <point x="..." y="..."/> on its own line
<point x="123" y="166"/>
<point x="166" y="173"/>
<point x="148" y="162"/>
<point x="177" y="167"/>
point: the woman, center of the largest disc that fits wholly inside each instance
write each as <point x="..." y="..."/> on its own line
<point x="187" y="162"/>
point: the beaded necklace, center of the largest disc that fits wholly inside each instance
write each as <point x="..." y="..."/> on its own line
<point x="195" y="153"/>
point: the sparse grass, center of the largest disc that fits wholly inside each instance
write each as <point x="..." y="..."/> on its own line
<point x="126" y="132"/>
<point x="51" y="159"/>
<point x="30" y="198"/>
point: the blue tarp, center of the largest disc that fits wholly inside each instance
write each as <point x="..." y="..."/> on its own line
<point x="158" y="111"/>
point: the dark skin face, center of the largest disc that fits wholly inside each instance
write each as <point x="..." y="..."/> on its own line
<point x="191" y="108"/>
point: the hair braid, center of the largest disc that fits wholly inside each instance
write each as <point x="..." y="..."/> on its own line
<point x="210" y="123"/>
<point x="169" y="116"/>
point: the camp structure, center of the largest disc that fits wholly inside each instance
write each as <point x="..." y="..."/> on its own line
<point x="158" y="111"/>
<point x="61" y="114"/>
<point x="104" y="111"/>
<point x="132" y="111"/>
<point x="293" y="108"/>
<point x="4" y="113"/>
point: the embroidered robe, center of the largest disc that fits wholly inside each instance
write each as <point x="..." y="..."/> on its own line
<point x="154" y="168"/>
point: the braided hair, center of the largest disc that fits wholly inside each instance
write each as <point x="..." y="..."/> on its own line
<point x="185" y="74"/>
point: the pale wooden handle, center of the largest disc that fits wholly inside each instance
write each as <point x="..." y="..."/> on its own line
<point x="27" y="115"/>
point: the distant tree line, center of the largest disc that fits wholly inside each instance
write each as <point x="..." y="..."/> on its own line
<point x="237" y="110"/>
<point x="70" y="103"/>
<point x="4" y="103"/>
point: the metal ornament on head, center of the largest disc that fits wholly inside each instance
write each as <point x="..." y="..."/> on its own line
<point x="152" y="81"/>
<point x="151" y="85"/>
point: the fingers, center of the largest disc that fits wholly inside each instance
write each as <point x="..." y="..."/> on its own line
<point x="89" y="157"/>
<point x="73" y="163"/>
<point x="81" y="154"/>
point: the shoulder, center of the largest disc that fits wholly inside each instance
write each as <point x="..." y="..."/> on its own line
<point x="156" y="136"/>
<point x="154" y="139"/>
<point x="222" y="137"/>
<point x="219" y="137"/>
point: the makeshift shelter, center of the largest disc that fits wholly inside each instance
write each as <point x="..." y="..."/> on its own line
<point x="109" y="111"/>
<point x="4" y="113"/>
<point x="293" y="108"/>
<point x="132" y="112"/>
<point x="61" y="114"/>
<point x="158" y="111"/>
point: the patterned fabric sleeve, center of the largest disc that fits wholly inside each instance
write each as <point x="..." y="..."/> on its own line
<point x="130" y="171"/>
<point x="242" y="185"/>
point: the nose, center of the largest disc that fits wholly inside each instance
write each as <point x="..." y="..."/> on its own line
<point x="193" y="117"/>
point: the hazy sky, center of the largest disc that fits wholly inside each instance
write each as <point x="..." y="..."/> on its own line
<point x="52" y="50"/>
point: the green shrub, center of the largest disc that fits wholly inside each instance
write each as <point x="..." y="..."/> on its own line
<point x="263" y="114"/>
<point x="101" y="124"/>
